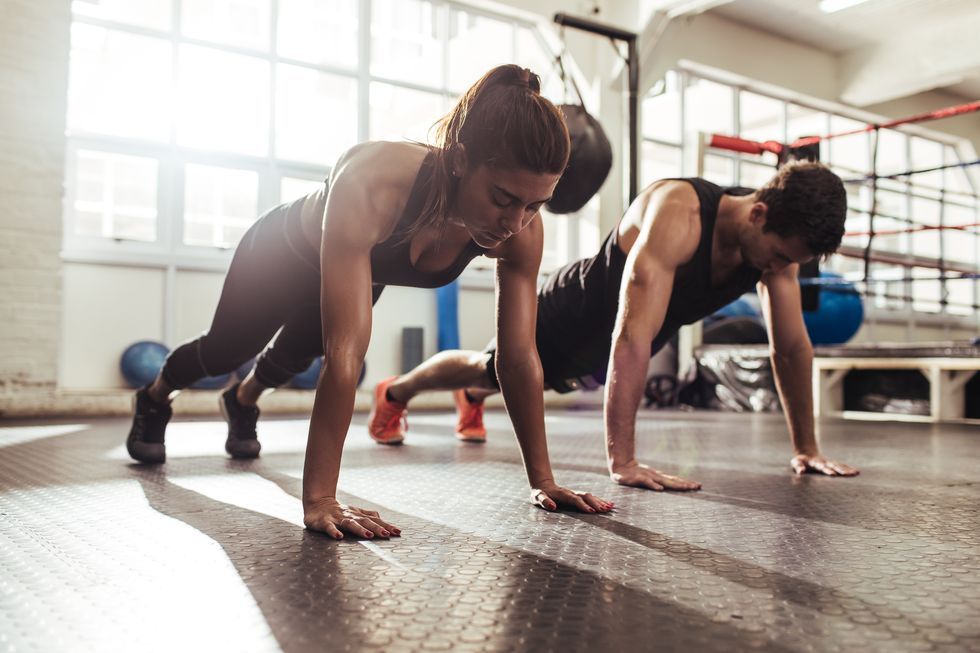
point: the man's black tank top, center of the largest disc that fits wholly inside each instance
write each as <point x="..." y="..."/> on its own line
<point x="391" y="262"/>
<point x="578" y="303"/>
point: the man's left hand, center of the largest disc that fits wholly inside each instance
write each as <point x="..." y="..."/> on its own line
<point x="819" y="465"/>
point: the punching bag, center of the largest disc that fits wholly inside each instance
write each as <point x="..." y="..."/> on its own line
<point x="588" y="164"/>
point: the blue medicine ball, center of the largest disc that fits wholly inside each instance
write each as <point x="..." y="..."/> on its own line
<point x="741" y="307"/>
<point x="141" y="362"/>
<point x="839" y="315"/>
<point x="212" y="382"/>
<point x="307" y="380"/>
<point x="244" y="369"/>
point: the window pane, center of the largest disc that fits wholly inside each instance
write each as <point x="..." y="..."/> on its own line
<point x="220" y="204"/>
<point x="925" y="243"/>
<point x="243" y="23"/>
<point x="146" y="13"/>
<point x="802" y="122"/>
<point x="115" y="196"/>
<point x="892" y="155"/>
<point x="719" y="169"/>
<point x="885" y="294"/>
<point x="291" y="188"/>
<point x="405" y="40"/>
<point x="303" y="24"/>
<point x="659" y="162"/>
<point x="316" y="114"/>
<point x="886" y="239"/>
<point x="476" y="44"/>
<point x="761" y="117"/>
<point x="849" y="153"/>
<point x="956" y="178"/>
<point x="960" y="244"/>
<point x="532" y="54"/>
<point x="708" y="108"/>
<point x="962" y="296"/>
<point x="662" y="111"/>
<point x="401" y="113"/>
<point x="926" y="154"/>
<point x="752" y="175"/>
<point x="119" y="83"/>
<point x="223" y="101"/>
<point x="927" y="293"/>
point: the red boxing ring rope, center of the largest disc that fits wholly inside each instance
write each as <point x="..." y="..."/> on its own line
<point x="753" y="147"/>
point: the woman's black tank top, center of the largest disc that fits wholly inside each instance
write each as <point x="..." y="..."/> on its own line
<point x="391" y="262"/>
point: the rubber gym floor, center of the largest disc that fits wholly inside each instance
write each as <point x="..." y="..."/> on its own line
<point x="101" y="554"/>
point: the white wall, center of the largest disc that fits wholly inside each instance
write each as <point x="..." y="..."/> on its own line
<point x="106" y="309"/>
<point x="33" y="97"/>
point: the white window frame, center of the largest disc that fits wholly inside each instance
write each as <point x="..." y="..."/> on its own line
<point x="169" y="252"/>
<point x="962" y="148"/>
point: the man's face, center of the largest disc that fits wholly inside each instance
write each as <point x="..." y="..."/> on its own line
<point x="768" y="252"/>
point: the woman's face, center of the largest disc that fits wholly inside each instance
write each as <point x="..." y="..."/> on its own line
<point x="495" y="203"/>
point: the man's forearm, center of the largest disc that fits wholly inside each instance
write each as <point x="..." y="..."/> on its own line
<point x="625" y="379"/>
<point x="522" y="386"/>
<point x="793" y="374"/>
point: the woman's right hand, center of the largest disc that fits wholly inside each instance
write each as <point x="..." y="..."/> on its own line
<point x="335" y="519"/>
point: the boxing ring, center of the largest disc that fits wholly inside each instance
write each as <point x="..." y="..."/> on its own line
<point x="948" y="367"/>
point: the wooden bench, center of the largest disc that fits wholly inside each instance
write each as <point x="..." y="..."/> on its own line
<point x="947" y="378"/>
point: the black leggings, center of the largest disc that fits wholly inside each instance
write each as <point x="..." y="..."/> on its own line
<point x="273" y="283"/>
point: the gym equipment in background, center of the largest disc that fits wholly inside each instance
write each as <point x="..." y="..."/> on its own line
<point x="307" y="379"/>
<point x="839" y="313"/>
<point x="141" y="362"/>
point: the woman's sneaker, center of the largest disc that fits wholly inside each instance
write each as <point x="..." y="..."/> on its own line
<point x="387" y="423"/>
<point x="145" y="441"/>
<point x="243" y="441"/>
<point x="469" y="418"/>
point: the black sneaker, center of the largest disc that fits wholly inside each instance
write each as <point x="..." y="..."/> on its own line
<point x="145" y="441"/>
<point x="242" y="442"/>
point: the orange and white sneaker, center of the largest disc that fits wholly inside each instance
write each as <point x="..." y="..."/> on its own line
<point x="469" y="424"/>
<point x="387" y="423"/>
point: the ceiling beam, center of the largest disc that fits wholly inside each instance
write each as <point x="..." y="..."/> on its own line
<point x="912" y="62"/>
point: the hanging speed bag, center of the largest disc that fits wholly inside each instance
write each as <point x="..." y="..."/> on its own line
<point x="588" y="164"/>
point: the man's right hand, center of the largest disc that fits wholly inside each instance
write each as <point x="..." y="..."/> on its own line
<point x="335" y="519"/>
<point x="636" y="474"/>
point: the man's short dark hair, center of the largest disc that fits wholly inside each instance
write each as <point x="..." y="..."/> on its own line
<point x="806" y="199"/>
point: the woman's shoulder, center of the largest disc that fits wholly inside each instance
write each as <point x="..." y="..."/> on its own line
<point x="374" y="180"/>
<point x="381" y="163"/>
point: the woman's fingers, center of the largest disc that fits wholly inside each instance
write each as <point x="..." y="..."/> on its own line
<point x="373" y="516"/>
<point x="596" y="503"/>
<point x="541" y="498"/>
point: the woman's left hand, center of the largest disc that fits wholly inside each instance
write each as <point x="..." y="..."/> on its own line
<point x="551" y="496"/>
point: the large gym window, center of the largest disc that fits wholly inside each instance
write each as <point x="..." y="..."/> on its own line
<point x="186" y="120"/>
<point x="919" y="268"/>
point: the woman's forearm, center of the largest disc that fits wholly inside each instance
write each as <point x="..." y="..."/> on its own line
<point x="333" y="407"/>
<point x="522" y="387"/>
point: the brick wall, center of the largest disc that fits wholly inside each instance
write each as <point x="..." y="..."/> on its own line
<point x="34" y="48"/>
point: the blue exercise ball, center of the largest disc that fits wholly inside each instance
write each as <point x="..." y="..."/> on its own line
<point x="839" y="315"/>
<point x="212" y="382"/>
<point x="141" y="362"/>
<point x="307" y="380"/>
<point x="244" y="369"/>
<point x="741" y="307"/>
